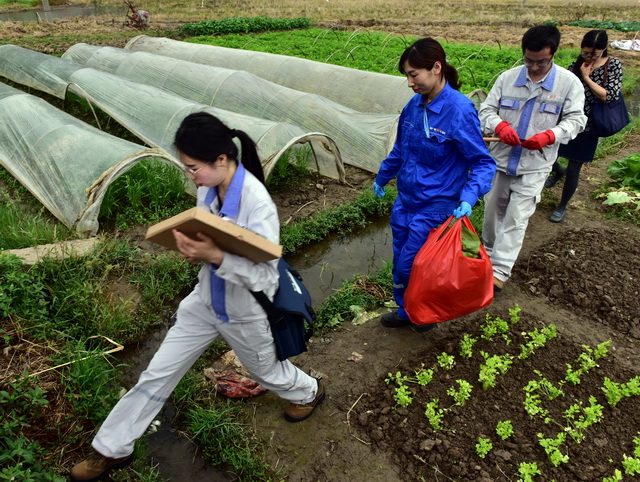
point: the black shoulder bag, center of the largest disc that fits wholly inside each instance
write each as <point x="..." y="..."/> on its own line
<point x="290" y="314"/>
<point x="607" y="118"/>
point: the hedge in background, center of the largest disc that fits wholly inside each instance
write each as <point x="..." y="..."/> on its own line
<point x="244" y="25"/>
<point x="624" y="26"/>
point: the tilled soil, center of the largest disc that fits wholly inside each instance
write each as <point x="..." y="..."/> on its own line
<point x="593" y="272"/>
<point x="579" y="276"/>
<point x="450" y="452"/>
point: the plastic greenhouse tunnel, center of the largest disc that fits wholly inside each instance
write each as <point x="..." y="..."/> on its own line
<point x="364" y="139"/>
<point x="153" y="114"/>
<point x="65" y="163"/>
<point x="386" y="94"/>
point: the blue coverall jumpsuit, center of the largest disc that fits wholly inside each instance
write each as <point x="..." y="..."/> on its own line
<point x="434" y="174"/>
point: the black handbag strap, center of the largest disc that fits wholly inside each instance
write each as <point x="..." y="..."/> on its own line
<point x="606" y="72"/>
<point x="272" y="313"/>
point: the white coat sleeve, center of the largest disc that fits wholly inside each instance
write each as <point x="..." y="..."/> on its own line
<point x="263" y="220"/>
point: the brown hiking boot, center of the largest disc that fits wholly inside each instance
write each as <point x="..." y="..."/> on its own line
<point x="297" y="413"/>
<point x="96" y="466"/>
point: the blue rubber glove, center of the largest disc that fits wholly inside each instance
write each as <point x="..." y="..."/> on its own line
<point x="378" y="190"/>
<point x="463" y="210"/>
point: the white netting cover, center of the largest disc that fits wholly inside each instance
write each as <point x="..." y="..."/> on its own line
<point x="66" y="164"/>
<point x="364" y="139"/>
<point x="154" y="114"/>
<point x="357" y="89"/>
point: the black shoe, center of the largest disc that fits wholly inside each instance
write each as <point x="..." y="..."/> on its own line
<point x="394" y="320"/>
<point x="553" y="179"/>
<point x="423" y="328"/>
<point x="558" y="215"/>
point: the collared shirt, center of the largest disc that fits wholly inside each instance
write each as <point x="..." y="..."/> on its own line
<point x="555" y="103"/>
<point x="225" y="288"/>
<point x="435" y="173"/>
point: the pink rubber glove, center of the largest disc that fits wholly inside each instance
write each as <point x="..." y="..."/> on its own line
<point x="506" y="134"/>
<point x="538" y="141"/>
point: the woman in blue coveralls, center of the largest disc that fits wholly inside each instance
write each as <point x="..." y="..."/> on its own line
<point x="440" y="160"/>
<point x="221" y="303"/>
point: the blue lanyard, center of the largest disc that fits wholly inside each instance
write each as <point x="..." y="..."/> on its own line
<point x="426" y="123"/>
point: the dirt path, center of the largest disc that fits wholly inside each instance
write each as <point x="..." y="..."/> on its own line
<point x="344" y="441"/>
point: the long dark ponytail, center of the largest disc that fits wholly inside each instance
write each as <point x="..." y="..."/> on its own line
<point x="423" y="53"/>
<point x="204" y="137"/>
<point x="593" y="39"/>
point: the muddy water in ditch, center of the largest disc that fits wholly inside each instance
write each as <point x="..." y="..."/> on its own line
<point x="323" y="267"/>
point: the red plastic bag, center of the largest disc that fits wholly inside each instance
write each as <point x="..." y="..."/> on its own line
<point x="444" y="283"/>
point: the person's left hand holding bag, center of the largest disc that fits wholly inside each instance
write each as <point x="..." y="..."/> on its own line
<point x="200" y="250"/>
<point x="378" y="190"/>
<point x="538" y="141"/>
<point x="463" y="210"/>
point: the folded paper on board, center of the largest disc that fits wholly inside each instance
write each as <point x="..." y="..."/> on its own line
<point x="228" y="236"/>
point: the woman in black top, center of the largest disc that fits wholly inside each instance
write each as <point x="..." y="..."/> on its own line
<point x="601" y="76"/>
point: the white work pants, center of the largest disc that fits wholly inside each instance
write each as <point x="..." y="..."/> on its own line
<point x="196" y="327"/>
<point x="507" y="209"/>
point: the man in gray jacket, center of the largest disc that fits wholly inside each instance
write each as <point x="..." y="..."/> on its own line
<point x="532" y="109"/>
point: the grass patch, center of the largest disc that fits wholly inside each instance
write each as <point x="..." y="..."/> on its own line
<point x="218" y="426"/>
<point x="292" y="167"/>
<point x="148" y="193"/>
<point x="24" y="221"/>
<point x="23" y="404"/>
<point x="365" y="292"/>
<point x="19" y="3"/>
<point x="59" y="312"/>
<point x="83" y="296"/>
<point x="224" y="440"/>
<point x="341" y="219"/>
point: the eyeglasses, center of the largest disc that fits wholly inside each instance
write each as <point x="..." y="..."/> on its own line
<point x="539" y="63"/>
<point x="192" y="172"/>
<point x="592" y="55"/>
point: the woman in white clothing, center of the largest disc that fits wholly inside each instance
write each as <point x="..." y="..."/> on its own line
<point x="221" y="303"/>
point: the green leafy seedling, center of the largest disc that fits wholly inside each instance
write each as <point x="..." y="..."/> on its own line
<point x="462" y="394"/>
<point x="527" y="471"/>
<point x="466" y="345"/>
<point x="434" y="414"/>
<point x="613" y="391"/>
<point x="483" y="447"/>
<point x="552" y="448"/>
<point x="631" y="465"/>
<point x="504" y="429"/>
<point x="616" y="477"/>
<point x="424" y="376"/>
<point x="402" y="396"/>
<point x="446" y="361"/>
